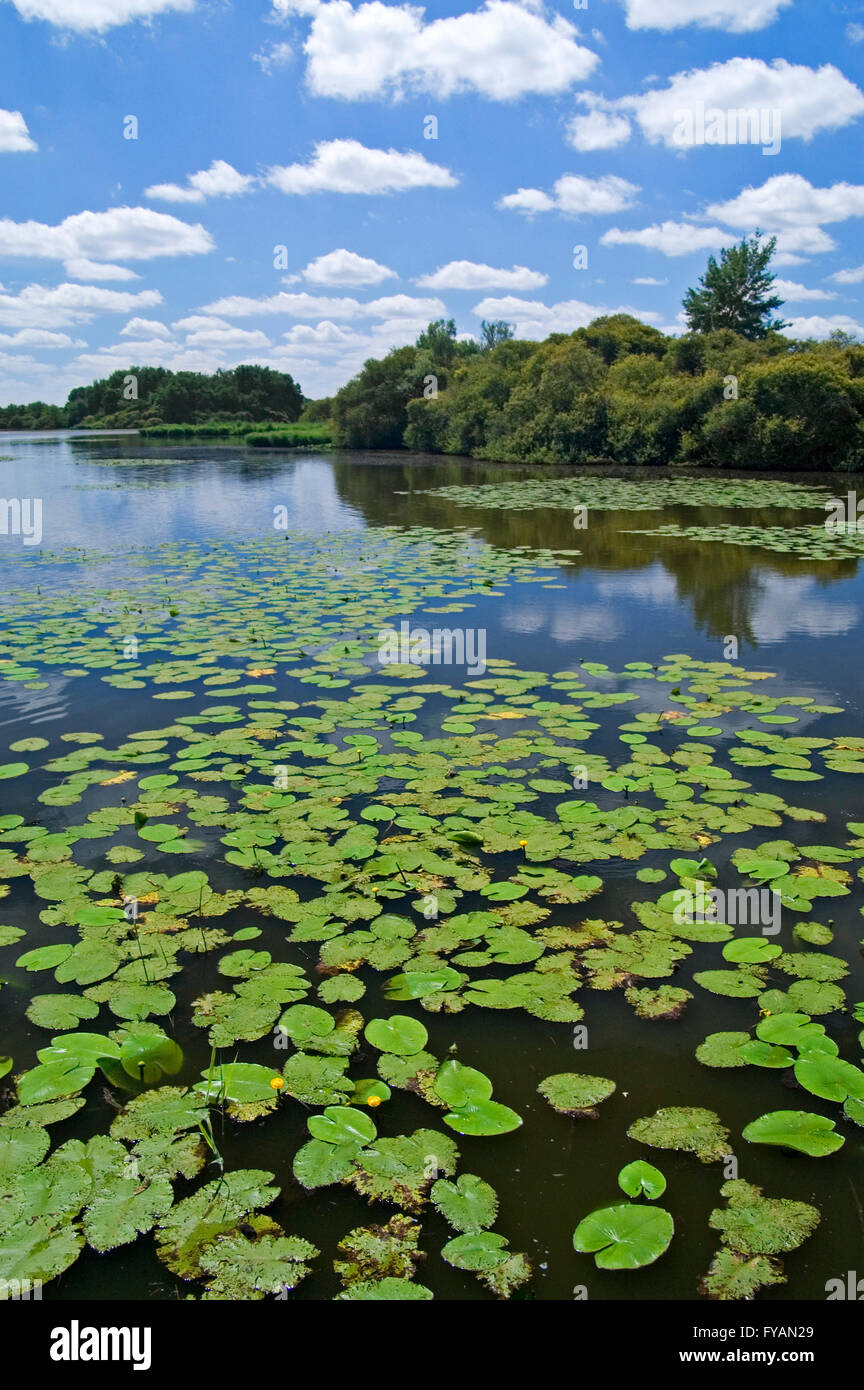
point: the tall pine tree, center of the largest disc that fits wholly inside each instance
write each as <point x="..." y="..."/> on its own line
<point x="736" y="293"/>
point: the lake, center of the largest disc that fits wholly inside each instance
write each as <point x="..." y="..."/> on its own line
<point x="197" y="614"/>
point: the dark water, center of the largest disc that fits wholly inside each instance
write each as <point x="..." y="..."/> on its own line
<point x="625" y="598"/>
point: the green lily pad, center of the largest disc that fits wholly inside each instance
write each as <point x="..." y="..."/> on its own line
<point x="795" y="1129"/>
<point x="625" y="1236"/>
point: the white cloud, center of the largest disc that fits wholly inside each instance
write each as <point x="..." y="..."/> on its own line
<point x="346" y="268"/>
<point x="819" y="327"/>
<point x="671" y="238"/>
<point x="790" y="201"/>
<point x="136" y="327"/>
<point x="685" y="238"/>
<point x="228" y="337"/>
<point x="649" y="280"/>
<point x="527" y="200"/>
<point x="120" y="234"/>
<point x="855" y="33"/>
<point x="37" y="306"/>
<point x="502" y="50"/>
<point x="80" y="268"/>
<point x="95" y="16"/>
<point x="791" y="291"/>
<point x="849" y="277"/>
<point x="308" y="306"/>
<point x="399" y="306"/>
<point x="195" y="321"/>
<point x="735" y="16"/>
<point x="323" y="334"/>
<point x="298" y="306"/>
<point x="532" y="319"/>
<point x="346" y="166"/>
<point x="794" y="244"/>
<point x="601" y="129"/>
<point x="468" y="275"/>
<point x="221" y="180"/>
<point x="14" y="135"/>
<point x="808" y="99"/>
<point x="575" y="195"/>
<point x="277" y="55"/>
<point x="39" y="338"/>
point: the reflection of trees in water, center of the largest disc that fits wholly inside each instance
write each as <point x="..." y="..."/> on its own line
<point x="721" y="584"/>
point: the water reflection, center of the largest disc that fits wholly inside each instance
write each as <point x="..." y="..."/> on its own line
<point x="111" y="493"/>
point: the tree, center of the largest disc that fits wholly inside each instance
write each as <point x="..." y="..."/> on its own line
<point x="494" y="332"/>
<point x="621" y="335"/>
<point x="736" y="293"/>
<point x="439" y="339"/>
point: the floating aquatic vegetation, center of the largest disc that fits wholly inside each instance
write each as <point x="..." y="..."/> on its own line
<point x="808" y="542"/>
<point x="625" y="1236"/>
<point x="572" y="1094"/>
<point x="603" y="492"/>
<point x="755" y="1225"/>
<point x="806" y="1133"/>
<point x="346" y="828"/>
<point x="690" y="1128"/>
<point x="733" y="1276"/>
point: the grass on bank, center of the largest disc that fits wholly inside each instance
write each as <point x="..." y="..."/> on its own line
<point x="258" y="436"/>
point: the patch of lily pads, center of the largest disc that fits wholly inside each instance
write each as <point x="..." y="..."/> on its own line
<point x="306" y="825"/>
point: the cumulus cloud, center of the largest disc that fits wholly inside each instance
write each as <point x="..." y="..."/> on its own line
<point x="533" y="319"/>
<point x="398" y="306"/>
<point x="671" y="238"/>
<point x="820" y="327"/>
<point x="600" y="129"/>
<point x="503" y="50"/>
<point x="308" y="306"/>
<point x="39" y="338"/>
<point x="14" y="135"/>
<point x="575" y="195"/>
<point x="221" y="180"/>
<point x="227" y="336"/>
<point x="790" y="201"/>
<point x="322" y="334"/>
<point x="38" y="306"/>
<point x="793" y="293"/>
<point x="849" y="277"/>
<point x="80" y="268"/>
<point x="685" y="238"/>
<point x="121" y="234"/>
<point x="469" y="275"/>
<point x="527" y="200"/>
<point x="346" y="268"/>
<point x="346" y="166"/>
<point x="808" y="99"/>
<point x="735" y="16"/>
<point x="274" y="56"/>
<point x="95" y="16"/>
<point x="139" y="327"/>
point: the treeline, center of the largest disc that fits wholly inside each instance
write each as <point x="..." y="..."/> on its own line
<point x="617" y="392"/>
<point x="141" y="397"/>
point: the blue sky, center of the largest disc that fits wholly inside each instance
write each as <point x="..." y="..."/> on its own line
<point x="283" y="204"/>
